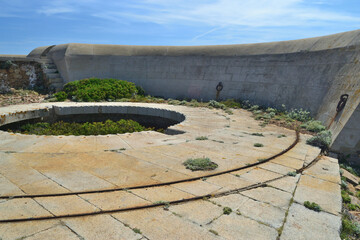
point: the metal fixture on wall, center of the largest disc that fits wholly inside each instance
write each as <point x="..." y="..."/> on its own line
<point x="219" y="87"/>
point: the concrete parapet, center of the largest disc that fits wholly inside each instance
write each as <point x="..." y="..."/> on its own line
<point x="308" y="73"/>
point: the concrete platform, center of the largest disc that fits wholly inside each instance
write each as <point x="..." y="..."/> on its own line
<point x="266" y="203"/>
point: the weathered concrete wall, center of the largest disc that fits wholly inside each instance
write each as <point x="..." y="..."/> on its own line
<point x="20" y="73"/>
<point x="348" y="139"/>
<point x="308" y="73"/>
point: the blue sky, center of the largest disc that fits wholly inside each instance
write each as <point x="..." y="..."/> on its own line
<point x="27" y="24"/>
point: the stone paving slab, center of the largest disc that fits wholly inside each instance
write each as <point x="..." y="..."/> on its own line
<point x="22" y="208"/>
<point x="258" y="211"/>
<point x="60" y="232"/>
<point x="58" y="164"/>
<point x="235" y="226"/>
<point x="157" y="223"/>
<point x="303" y="223"/>
<point x="324" y="193"/>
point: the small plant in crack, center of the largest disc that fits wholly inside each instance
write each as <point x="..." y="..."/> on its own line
<point x="281" y="136"/>
<point x="200" y="164"/>
<point x="214" y="232"/>
<point x="136" y="230"/>
<point x="291" y="174"/>
<point x="261" y="159"/>
<point x="201" y="138"/>
<point x="258" y="145"/>
<point x="227" y="210"/>
<point x="313" y="206"/>
<point x="258" y="134"/>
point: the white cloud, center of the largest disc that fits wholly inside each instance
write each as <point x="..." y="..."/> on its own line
<point x="56" y="10"/>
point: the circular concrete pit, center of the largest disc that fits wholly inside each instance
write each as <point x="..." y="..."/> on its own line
<point x="105" y="187"/>
<point x="148" y="117"/>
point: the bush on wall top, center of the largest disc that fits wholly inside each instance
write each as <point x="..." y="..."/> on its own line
<point x="96" y="89"/>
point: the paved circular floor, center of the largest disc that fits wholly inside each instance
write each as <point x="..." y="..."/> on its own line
<point x="265" y="202"/>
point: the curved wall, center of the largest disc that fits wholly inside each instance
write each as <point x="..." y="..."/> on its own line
<point x="308" y="73"/>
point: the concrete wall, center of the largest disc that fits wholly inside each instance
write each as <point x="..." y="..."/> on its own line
<point x="307" y="73"/>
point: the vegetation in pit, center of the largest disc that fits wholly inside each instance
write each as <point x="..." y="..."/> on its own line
<point x="200" y="164"/>
<point x="313" y="206"/>
<point x="227" y="210"/>
<point x="76" y="129"/>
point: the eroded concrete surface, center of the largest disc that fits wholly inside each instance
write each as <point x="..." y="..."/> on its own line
<point x="60" y="164"/>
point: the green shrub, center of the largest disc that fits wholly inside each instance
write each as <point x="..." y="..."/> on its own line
<point x="198" y="164"/>
<point x="312" y="206"/>
<point x="60" y="96"/>
<point x="292" y="174"/>
<point x="227" y="210"/>
<point x="322" y="140"/>
<point x="76" y="129"/>
<point x="215" y="104"/>
<point x="231" y="103"/>
<point x="6" y="65"/>
<point x="349" y="229"/>
<point x="95" y="89"/>
<point x="258" y="134"/>
<point x="201" y="138"/>
<point x="140" y="91"/>
<point x="258" y="145"/>
<point x="345" y="197"/>
<point x="299" y="114"/>
<point x="313" y="126"/>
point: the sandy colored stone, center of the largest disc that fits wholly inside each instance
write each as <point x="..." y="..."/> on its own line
<point x="235" y="226"/>
<point x="100" y="227"/>
<point x="287" y="183"/>
<point x="288" y="162"/>
<point x="258" y="211"/>
<point x="277" y="168"/>
<point x="324" y="193"/>
<point x="21" y="208"/>
<point x="79" y="180"/>
<point x="270" y="195"/>
<point x="163" y="193"/>
<point x="63" y="205"/>
<point x="7" y="188"/>
<point x="43" y="187"/>
<point x="197" y="188"/>
<point x="260" y="175"/>
<point x="303" y="223"/>
<point x="202" y="212"/>
<point x="114" y="200"/>
<point x="18" y="230"/>
<point x="350" y="177"/>
<point x="229" y="181"/>
<point x="57" y="232"/>
<point x="325" y="170"/>
<point x="156" y="223"/>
